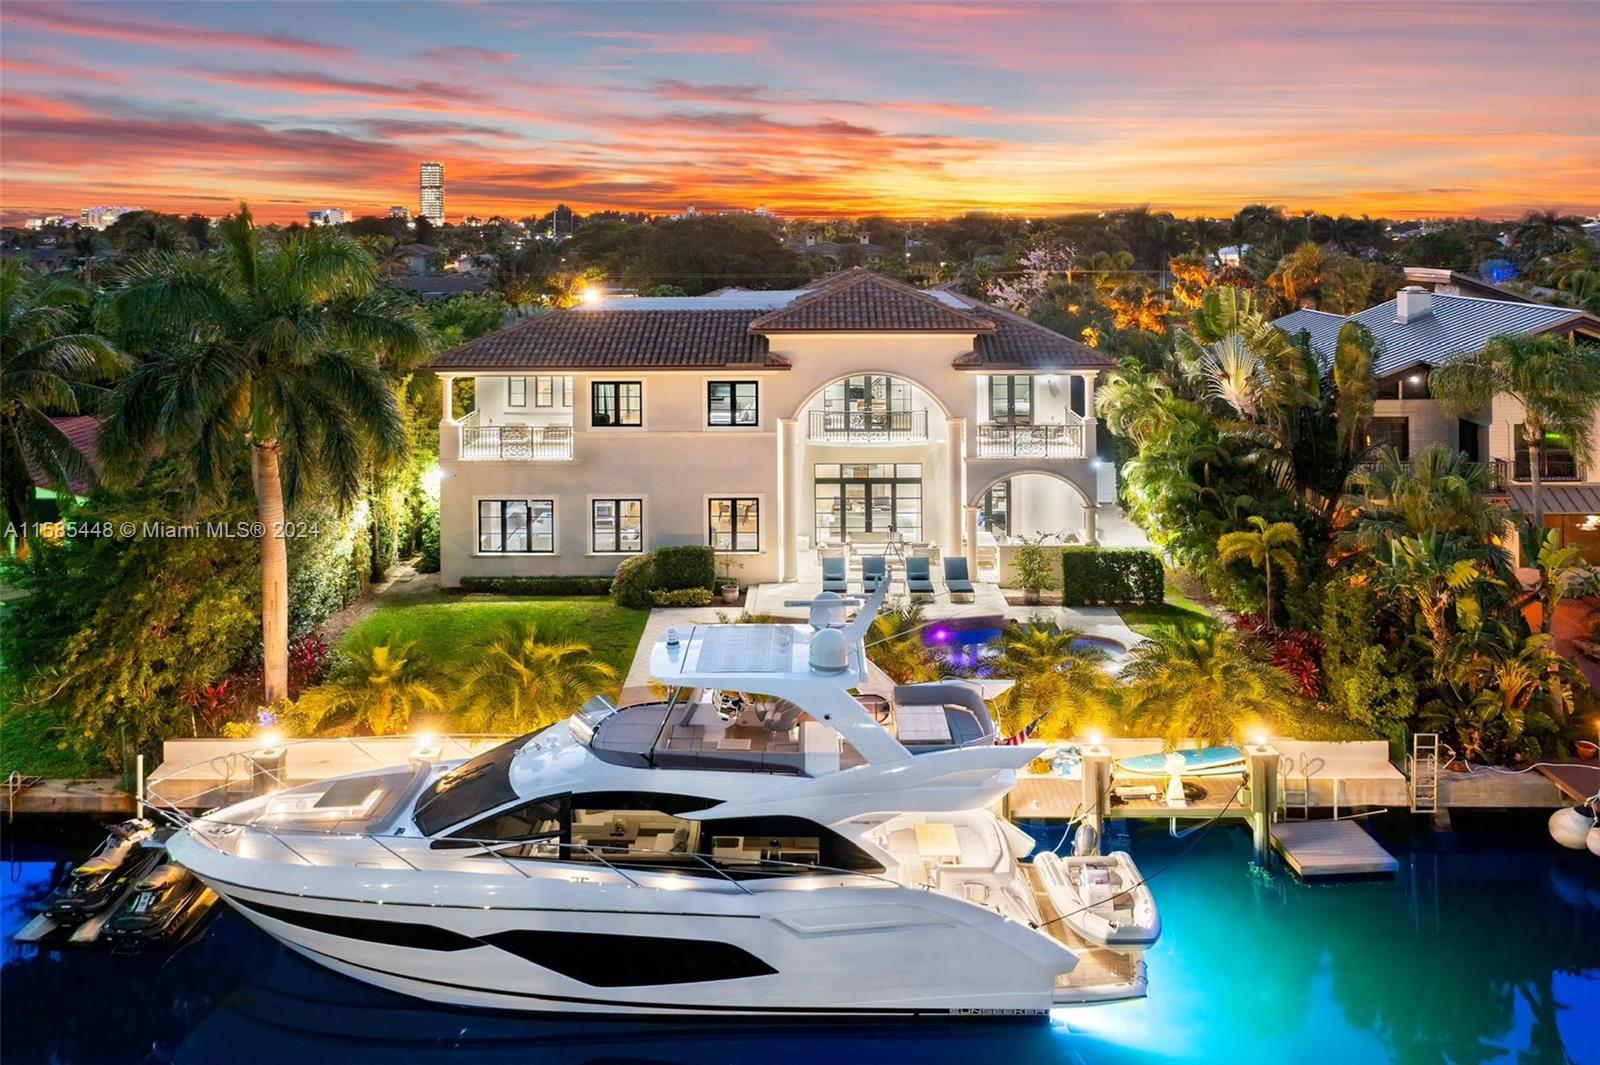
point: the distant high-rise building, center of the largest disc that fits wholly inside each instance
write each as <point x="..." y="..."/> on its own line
<point x="561" y="221"/>
<point x="101" y="217"/>
<point x="328" y="216"/>
<point x="400" y="211"/>
<point x="432" y="181"/>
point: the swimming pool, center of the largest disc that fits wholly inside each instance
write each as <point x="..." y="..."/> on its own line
<point x="967" y="646"/>
<point x="1486" y="947"/>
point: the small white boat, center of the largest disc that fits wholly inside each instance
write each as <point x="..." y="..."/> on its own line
<point x="1102" y="898"/>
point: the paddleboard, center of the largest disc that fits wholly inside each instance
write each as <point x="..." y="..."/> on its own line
<point x="1204" y="762"/>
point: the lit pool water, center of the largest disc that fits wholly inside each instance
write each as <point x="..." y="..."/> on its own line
<point x="1485" y="947"/>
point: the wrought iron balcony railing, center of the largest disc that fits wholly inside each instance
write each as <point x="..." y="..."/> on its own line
<point x="529" y="443"/>
<point x="869" y="426"/>
<point x="1051" y="440"/>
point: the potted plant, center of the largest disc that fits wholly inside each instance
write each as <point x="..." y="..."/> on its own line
<point x="727" y="587"/>
<point x="1036" y="568"/>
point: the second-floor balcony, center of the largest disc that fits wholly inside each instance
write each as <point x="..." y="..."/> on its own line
<point x="1553" y="469"/>
<point x="1048" y="440"/>
<point x="526" y="443"/>
<point x="868" y="426"/>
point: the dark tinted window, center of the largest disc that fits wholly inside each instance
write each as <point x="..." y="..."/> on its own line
<point x="471" y="788"/>
<point x="539" y="819"/>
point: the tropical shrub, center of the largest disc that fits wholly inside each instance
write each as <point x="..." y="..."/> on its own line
<point x="1062" y="682"/>
<point x="1036" y="568"/>
<point x="1197" y="682"/>
<point x="896" y="646"/>
<point x="538" y="585"/>
<point x="1113" y="576"/>
<point x="429" y="560"/>
<point x="687" y="566"/>
<point x="682" y="597"/>
<point x="634" y="580"/>
<point x="1297" y="652"/>
<point x="379" y="687"/>
<point x="521" y="682"/>
<point x="1362" y="668"/>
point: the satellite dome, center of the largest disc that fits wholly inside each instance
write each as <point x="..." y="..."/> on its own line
<point x="830" y="652"/>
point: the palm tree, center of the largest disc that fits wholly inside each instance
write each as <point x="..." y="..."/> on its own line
<point x="1133" y="403"/>
<point x="1355" y="388"/>
<point x="1556" y="382"/>
<point x="896" y="646"/>
<point x="1268" y="545"/>
<point x="1563" y="573"/>
<point x="1061" y="681"/>
<point x="1197" y="681"/>
<point x="384" y="688"/>
<point x="47" y="366"/>
<point x="270" y="344"/>
<point x="521" y="682"/>
<point x="1441" y="490"/>
<point x="1438" y="574"/>
<point x="1544" y="233"/>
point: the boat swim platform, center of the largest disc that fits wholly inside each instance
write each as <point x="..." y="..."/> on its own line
<point x="1576" y="780"/>
<point x="1331" y="848"/>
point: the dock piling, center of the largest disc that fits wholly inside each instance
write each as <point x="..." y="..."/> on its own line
<point x="1096" y="789"/>
<point x="1263" y="762"/>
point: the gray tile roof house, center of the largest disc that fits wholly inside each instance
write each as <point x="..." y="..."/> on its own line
<point x="1429" y="328"/>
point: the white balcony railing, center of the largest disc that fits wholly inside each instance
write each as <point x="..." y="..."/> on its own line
<point x="527" y="443"/>
<point x="869" y="426"/>
<point x="1050" y="440"/>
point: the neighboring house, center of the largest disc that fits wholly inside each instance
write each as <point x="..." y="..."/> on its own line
<point x="415" y="257"/>
<point x="1455" y="283"/>
<point x="1420" y="330"/>
<point x="438" y="286"/>
<point x="764" y="424"/>
<point x="80" y="431"/>
<point x="839" y="253"/>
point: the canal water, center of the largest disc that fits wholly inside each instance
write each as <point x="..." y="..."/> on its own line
<point x="1485" y="948"/>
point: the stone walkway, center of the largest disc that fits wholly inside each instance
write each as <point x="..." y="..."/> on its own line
<point x="403" y="582"/>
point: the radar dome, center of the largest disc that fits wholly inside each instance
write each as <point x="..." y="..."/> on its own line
<point x="830" y="652"/>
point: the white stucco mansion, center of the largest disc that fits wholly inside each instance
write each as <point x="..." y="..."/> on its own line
<point x="764" y="423"/>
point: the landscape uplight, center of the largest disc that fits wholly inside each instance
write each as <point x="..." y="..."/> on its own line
<point x="590" y="295"/>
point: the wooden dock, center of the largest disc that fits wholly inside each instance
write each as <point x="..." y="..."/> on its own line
<point x="1331" y="848"/>
<point x="101" y="798"/>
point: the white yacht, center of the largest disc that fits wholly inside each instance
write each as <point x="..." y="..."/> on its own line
<point x="788" y="833"/>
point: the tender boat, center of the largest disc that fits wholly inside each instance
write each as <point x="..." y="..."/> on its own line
<point x="785" y="833"/>
<point x="1197" y="762"/>
<point x="1103" y="899"/>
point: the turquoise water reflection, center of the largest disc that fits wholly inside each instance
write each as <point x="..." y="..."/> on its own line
<point x="1485" y="948"/>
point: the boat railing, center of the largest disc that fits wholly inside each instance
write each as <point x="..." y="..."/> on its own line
<point x="234" y="776"/>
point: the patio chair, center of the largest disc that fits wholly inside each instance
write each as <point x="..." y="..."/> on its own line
<point x="874" y="571"/>
<point x="919" y="581"/>
<point x="833" y="574"/>
<point x="957" y="580"/>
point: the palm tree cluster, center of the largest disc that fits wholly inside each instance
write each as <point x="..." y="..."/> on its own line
<point x="517" y="681"/>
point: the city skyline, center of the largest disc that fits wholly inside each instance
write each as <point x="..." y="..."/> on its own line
<point x="1420" y="110"/>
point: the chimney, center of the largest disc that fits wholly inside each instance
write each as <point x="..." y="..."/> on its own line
<point x="811" y="240"/>
<point x="864" y="239"/>
<point x="1412" y="303"/>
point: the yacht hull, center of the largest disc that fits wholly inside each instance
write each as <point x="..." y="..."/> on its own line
<point x="598" y="948"/>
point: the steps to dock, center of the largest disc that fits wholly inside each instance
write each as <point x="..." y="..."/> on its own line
<point x="1424" y="773"/>
<point x="1331" y="848"/>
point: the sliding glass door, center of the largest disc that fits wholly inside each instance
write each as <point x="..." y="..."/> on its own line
<point x="874" y="498"/>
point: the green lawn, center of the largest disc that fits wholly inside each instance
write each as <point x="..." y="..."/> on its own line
<point x="1177" y="608"/>
<point x="448" y="629"/>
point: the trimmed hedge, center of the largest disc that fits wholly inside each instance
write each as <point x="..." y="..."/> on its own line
<point x="689" y="566"/>
<point x="538" y="585"/>
<point x="1111" y="576"/>
<point x="683" y="597"/>
<point x="634" y="580"/>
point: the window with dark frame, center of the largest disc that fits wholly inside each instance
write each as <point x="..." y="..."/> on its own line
<point x="1556" y="460"/>
<point x="616" y="403"/>
<point x="1011" y="399"/>
<point x="552" y="391"/>
<point x="735" y="524"/>
<point x="616" y="526"/>
<point x="1390" y="432"/>
<point x="732" y="403"/>
<point x="516" y="391"/>
<point x="516" y="526"/>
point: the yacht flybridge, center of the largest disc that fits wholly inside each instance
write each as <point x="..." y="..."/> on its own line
<point x="786" y="833"/>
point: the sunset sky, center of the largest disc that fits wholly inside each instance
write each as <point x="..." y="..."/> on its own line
<point x="808" y="108"/>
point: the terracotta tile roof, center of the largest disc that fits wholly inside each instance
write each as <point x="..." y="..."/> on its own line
<point x="80" y="431"/>
<point x="1020" y="344"/>
<point x="581" y="339"/>
<point x="861" y="301"/>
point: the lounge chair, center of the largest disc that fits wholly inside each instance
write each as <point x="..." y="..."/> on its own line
<point x="833" y="575"/>
<point x="919" y="581"/>
<point x="956" y="579"/>
<point x="874" y="571"/>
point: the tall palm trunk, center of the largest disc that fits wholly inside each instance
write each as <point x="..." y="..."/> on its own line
<point x="274" y="572"/>
<point x="1269" y="589"/>
<point x="1536" y="478"/>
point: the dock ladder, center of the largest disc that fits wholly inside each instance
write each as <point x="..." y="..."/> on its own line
<point x="1296" y="799"/>
<point x="1425" y="773"/>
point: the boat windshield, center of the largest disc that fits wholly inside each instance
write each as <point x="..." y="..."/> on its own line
<point x="472" y="788"/>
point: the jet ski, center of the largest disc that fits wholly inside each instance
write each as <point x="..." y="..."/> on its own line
<point x="101" y="878"/>
<point x="165" y="905"/>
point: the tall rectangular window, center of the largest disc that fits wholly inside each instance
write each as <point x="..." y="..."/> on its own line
<point x="731" y="403"/>
<point x="516" y="526"/>
<point x="1011" y="399"/>
<point x="1556" y="460"/>
<point x="735" y="524"/>
<point x="552" y="391"/>
<point x="617" y="526"/>
<point x="516" y="391"/>
<point x="616" y="403"/>
<point x="1390" y="432"/>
